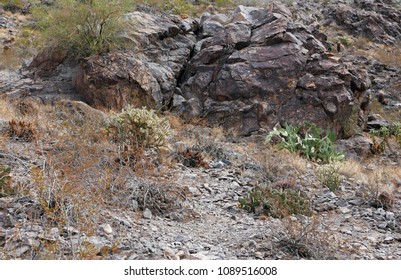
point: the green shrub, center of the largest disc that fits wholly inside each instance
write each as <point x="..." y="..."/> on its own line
<point x="276" y="202"/>
<point x="12" y="5"/>
<point x="137" y="129"/>
<point x="380" y="137"/>
<point x="223" y="3"/>
<point x="315" y="144"/>
<point x="346" y="41"/>
<point x="83" y="26"/>
<point x="329" y="176"/>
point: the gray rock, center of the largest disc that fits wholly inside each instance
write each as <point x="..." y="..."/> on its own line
<point x="355" y="147"/>
<point x="389" y="216"/>
<point x="106" y="228"/>
<point x="147" y="214"/>
<point x="344" y="210"/>
<point x="18" y="252"/>
<point x="388" y="240"/>
<point x="342" y="202"/>
<point x="382" y="225"/>
<point x="356" y="202"/>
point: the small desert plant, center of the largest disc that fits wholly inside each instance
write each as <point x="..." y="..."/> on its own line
<point x="329" y="175"/>
<point x="345" y="40"/>
<point x="275" y="201"/>
<point x="12" y="5"/>
<point x="223" y="3"/>
<point x="306" y="238"/>
<point x="191" y="158"/>
<point x="21" y="130"/>
<point x="85" y="27"/>
<point x="315" y="144"/>
<point x="137" y="129"/>
<point x="5" y="181"/>
<point x="381" y="136"/>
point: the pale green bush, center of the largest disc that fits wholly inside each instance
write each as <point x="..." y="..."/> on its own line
<point x="83" y="26"/>
<point x="138" y="129"/>
<point x="329" y="175"/>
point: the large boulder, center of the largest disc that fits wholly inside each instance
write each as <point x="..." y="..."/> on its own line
<point x="146" y="72"/>
<point x="378" y="20"/>
<point x="259" y="68"/>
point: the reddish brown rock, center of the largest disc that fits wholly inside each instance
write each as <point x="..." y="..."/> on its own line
<point x="280" y="74"/>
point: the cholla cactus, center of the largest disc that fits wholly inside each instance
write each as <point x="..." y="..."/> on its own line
<point x="137" y="129"/>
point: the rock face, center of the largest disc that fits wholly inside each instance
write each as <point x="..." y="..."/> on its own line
<point x="146" y="73"/>
<point x="256" y="67"/>
<point x="252" y="68"/>
<point x="378" y="20"/>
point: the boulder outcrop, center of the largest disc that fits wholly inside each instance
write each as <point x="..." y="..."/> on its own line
<point x="146" y="72"/>
<point x="256" y="68"/>
<point x="247" y="69"/>
<point x="377" y="20"/>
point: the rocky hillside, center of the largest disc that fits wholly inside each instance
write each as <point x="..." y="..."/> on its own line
<point x="191" y="175"/>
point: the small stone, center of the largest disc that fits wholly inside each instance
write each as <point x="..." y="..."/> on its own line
<point x="135" y="205"/>
<point x="367" y="213"/>
<point x="181" y="238"/>
<point x="258" y="255"/>
<point x="147" y="214"/>
<point x="200" y="256"/>
<point x="372" y="239"/>
<point x="106" y="228"/>
<point x="194" y="191"/>
<point x="20" y="251"/>
<point x="218" y="164"/>
<point x="389" y="216"/>
<point x="191" y="176"/>
<point x="34" y="243"/>
<point x="380" y="211"/>
<point x="341" y="202"/>
<point x="382" y="225"/>
<point x="344" y="210"/>
<point x="356" y="202"/>
<point x="70" y="230"/>
<point x="346" y="231"/>
<point x="363" y="248"/>
<point x="388" y="240"/>
<point x="330" y="195"/>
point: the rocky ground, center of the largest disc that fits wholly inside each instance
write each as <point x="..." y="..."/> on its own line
<point x="73" y="195"/>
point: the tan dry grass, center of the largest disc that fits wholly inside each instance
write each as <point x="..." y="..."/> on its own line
<point x="7" y="111"/>
<point x="281" y="163"/>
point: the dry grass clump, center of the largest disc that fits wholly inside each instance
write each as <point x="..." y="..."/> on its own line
<point x="380" y="185"/>
<point x="7" y="111"/>
<point x="26" y="106"/>
<point x="379" y="182"/>
<point x="352" y="168"/>
<point x="305" y="238"/>
<point x="282" y="163"/>
<point x="384" y="54"/>
<point x="5" y="181"/>
<point x="186" y="8"/>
